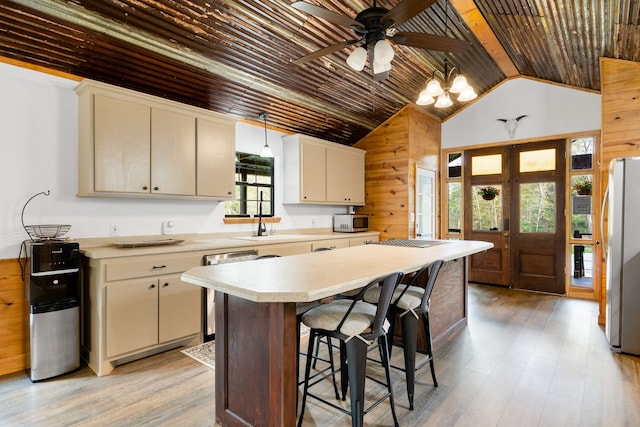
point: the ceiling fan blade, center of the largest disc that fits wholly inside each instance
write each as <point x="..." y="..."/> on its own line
<point x="325" y="51"/>
<point x="430" y="42"/>
<point x="405" y="10"/>
<point x="326" y="14"/>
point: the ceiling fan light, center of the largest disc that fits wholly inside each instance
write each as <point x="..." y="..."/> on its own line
<point x="357" y="59"/>
<point x="383" y="52"/>
<point x="467" y="95"/>
<point x="459" y="84"/>
<point x="433" y="88"/>
<point x="425" y="98"/>
<point x="444" y="101"/>
<point x="381" y="67"/>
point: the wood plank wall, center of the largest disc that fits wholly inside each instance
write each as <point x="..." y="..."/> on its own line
<point x="411" y="137"/>
<point x="620" y="89"/>
<point x="14" y="319"/>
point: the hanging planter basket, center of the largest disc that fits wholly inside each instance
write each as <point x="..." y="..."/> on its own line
<point x="488" y="193"/>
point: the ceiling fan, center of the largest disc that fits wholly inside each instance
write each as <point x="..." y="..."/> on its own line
<point x="375" y="28"/>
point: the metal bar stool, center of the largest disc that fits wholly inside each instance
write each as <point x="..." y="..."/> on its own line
<point x="410" y="302"/>
<point x="356" y="324"/>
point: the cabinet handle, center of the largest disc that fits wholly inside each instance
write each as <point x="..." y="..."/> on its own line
<point x="144" y="187"/>
<point x="158" y="267"/>
<point x="152" y="286"/>
<point x="165" y="285"/>
<point x="156" y="188"/>
<point x="229" y="192"/>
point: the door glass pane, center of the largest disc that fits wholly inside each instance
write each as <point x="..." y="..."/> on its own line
<point x="486" y="165"/>
<point x="486" y="211"/>
<point x="538" y="207"/>
<point x="454" y="166"/>
<point x="454" y="198"/>
<point x="538" y="160"/>
<point x="582" y="153"/>
<point x="582" y="265"/>
<point x="425" y="204"/>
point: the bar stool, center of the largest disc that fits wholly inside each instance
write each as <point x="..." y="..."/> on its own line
<point x="356" y="324"/>
<point x="410" y="302"/>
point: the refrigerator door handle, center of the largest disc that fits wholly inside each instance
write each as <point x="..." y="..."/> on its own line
<point x="605" y="201"/>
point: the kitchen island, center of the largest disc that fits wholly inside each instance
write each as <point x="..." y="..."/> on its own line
<point x="256" y="344"/>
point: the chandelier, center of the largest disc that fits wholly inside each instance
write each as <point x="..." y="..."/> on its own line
<point x="442" y="84"/>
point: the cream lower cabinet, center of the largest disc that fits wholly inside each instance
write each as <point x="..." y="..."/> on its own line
<point x="146" y="312"/>
<point x="136" y="306"/>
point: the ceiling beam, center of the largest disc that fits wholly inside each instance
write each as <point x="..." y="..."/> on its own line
<point x="472" y="16"/>
<point x="70" y="12"/>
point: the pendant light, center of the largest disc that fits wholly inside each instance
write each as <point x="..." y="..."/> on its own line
<point x="266" y="150"/>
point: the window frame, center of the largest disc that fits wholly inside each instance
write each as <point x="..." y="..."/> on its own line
<point x="244" y="184"/>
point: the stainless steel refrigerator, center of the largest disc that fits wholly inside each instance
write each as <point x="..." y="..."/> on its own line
<point x="623" y="255"/>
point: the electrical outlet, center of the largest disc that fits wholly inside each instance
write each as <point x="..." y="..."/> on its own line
<point x="167" y="227"/>
<point x="114" y="230"/>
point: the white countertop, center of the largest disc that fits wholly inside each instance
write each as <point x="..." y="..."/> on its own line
<point x="313" y="276"/>
<point x="194" y="243"/>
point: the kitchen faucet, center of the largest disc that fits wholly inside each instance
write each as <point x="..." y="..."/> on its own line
<point x="262" y="228"/>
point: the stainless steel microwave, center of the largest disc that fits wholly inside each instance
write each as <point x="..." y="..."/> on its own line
<point x="350" y="223"/>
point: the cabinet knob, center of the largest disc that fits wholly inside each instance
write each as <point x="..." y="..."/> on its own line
<point x="165" y="285"/>
<point x="156" y="188"/>
<point x="152" y="286"/>
<point x="144" y="187"/>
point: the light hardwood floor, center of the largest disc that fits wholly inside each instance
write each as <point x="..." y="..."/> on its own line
<point x="525" y="359"/>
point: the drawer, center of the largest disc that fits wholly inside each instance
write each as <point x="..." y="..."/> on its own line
<point x="149" y="266"/>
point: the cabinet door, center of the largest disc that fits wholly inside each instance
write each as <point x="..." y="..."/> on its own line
<point x="312" y="173"/>
<point x="180" y="309"/>
<point x="173" y="153"/>
<point x="216" y="159"/>
<point x="345" y="177"/>
<point x="121" y="145"/>
<point x="285" y="249"/>
<point x="132" y="315"/>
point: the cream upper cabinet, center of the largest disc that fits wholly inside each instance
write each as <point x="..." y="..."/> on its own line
<point x="345" y="176"/>
<point x="321" y="172"/>
<point x="122" y="146"/>
<point x="173" y="153"/>
<point x="137" y="145"/>
<point x="312" y="172"/>
<point x="216" y="158"/>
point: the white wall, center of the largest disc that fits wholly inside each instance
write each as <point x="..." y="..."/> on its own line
<point x="550" y="110"/>
<point x="39" y="152"/>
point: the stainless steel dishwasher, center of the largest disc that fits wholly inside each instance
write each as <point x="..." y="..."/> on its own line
<point x="208" y="297"/>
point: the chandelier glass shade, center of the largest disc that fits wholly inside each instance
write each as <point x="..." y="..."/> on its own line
<point x="441" y="85"/>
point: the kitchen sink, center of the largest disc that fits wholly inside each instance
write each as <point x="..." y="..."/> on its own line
<point x="272" y="237"/>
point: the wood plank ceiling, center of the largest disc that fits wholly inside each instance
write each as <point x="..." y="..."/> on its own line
<point x="235" y="57"/>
